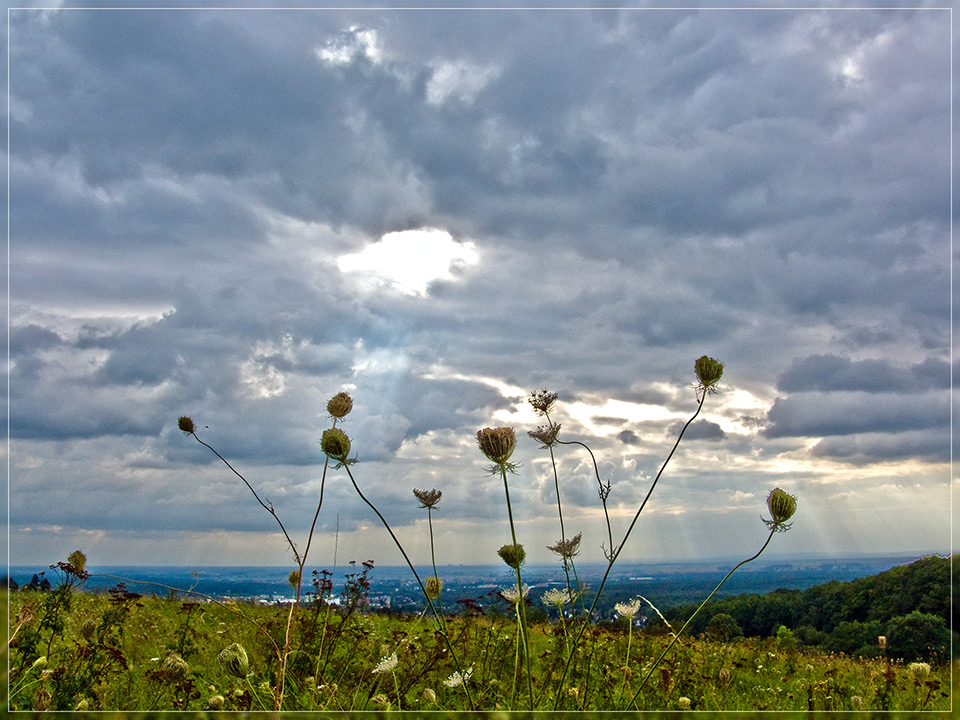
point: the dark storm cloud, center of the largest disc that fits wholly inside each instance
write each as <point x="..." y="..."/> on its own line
<point x="830" y="372"/>
<point x="642" y="187"/>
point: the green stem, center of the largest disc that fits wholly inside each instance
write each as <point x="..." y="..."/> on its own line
<point x="416" y="575"/>
<point x="676" y="635"/>
<point x="616" y="553"/>
<point x="522" y="615"/>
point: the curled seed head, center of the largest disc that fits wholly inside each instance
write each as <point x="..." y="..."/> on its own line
<point x="335" y="444"/>
<point x="174" y="668"/>
<point x="512" y="555"/>
<point x="233" y="659"/>
<point x="497" y="443"/>
<point x="782" y="506"/>
<point x="215" y="702"/>
<point x="294" y="578"/>
<point x="709" y="372"/>
<point x="186" y="424"/>
<point x="78" y="560"/>
<point x="882" y="641"/>
<point x="340" y="405"/>
<point x="434" y="587"/>
<point x="628" y="609"/>
<point x="428" y="498"/>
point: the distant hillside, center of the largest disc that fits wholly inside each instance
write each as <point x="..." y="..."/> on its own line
<point x="912" y="599"/>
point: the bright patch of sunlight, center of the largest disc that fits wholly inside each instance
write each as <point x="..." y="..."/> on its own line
<point x="410" y="260"/>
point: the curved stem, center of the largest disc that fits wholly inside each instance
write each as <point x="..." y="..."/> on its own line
<point x="416" y="575"/>
<point x="616" y="553"/>
<point x="676" y="635"/>
<point x="265" y="506"/>
<point x="522" y="615"/>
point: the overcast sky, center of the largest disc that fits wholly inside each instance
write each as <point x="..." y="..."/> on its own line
<point x="236" y="214"/>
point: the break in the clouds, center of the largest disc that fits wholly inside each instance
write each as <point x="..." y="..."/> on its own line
<point x="235" y="214"/>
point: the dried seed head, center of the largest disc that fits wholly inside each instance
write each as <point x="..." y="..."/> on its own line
<point x="546" y="435"/>
<point x="567" y="548"/>
<point x="683" y="703"/>
<point x="724" y="677"/>
<point x="294" y="578"/>
<point x="335" y="444"/>
<point x="430" y="695"/>
<point x="215" y="702"/>
<point x="856" y="701"/>
<point x="174" y="668"/>
<point x="340" y="405"/>
<point x="428" y="498"/>
<point x="497" y="444"/>
<point x="512" y="555"/>
<point x="186" y="424"/>
<point x="542" y="400"/>
<point x="233" y="659"/>
<point x="709" y="372"/>
<point x="919" y="670"/>
<point x="882" y="641"/>
<point x="782" y="506"/>
<point x="434" y="587"/>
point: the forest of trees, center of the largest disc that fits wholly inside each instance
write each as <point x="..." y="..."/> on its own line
<point x="909" y="605"/>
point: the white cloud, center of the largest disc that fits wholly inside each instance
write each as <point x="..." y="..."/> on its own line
<point x="458" y="80"/>
<point x="410" y="260"/>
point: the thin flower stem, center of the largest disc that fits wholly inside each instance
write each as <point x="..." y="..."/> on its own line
<point x="265" y="506"/>
<point x="522" y="615"/>
<point x="433" y="561"/>
<point x="676" y="636"/>
<point x="603" y="491"/>
<point x="616" y="552"/>
<point x="415" y="575"/>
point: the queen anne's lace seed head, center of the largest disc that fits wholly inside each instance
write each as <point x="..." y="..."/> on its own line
<point x="233" y="659"/>
<point x="335" y="444"/>
<point x="434" y="587"/>
<point x="428" y="498"/>
<point x="186" y="424"/>
<point x="340" y="405"/>
<point x="512" y="555"/>
<point x="782" y="506"/>
<point x="542" y="400"/>
<point x="709" y="372"/>
<point x="497" y="444"/>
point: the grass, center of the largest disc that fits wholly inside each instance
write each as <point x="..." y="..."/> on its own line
<point x="336" y="651"/>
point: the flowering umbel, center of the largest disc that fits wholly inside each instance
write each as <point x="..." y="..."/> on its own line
<point x="428" y="498"/>
<point x="782" y="506"/>
<point x="709" y="372"/>
<point x="498" y="444"/>
<point x="567" y="548"/>
<point x="546" y="435"/>
<point x="340" y="405"/>
<point x="335" y="444"/>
